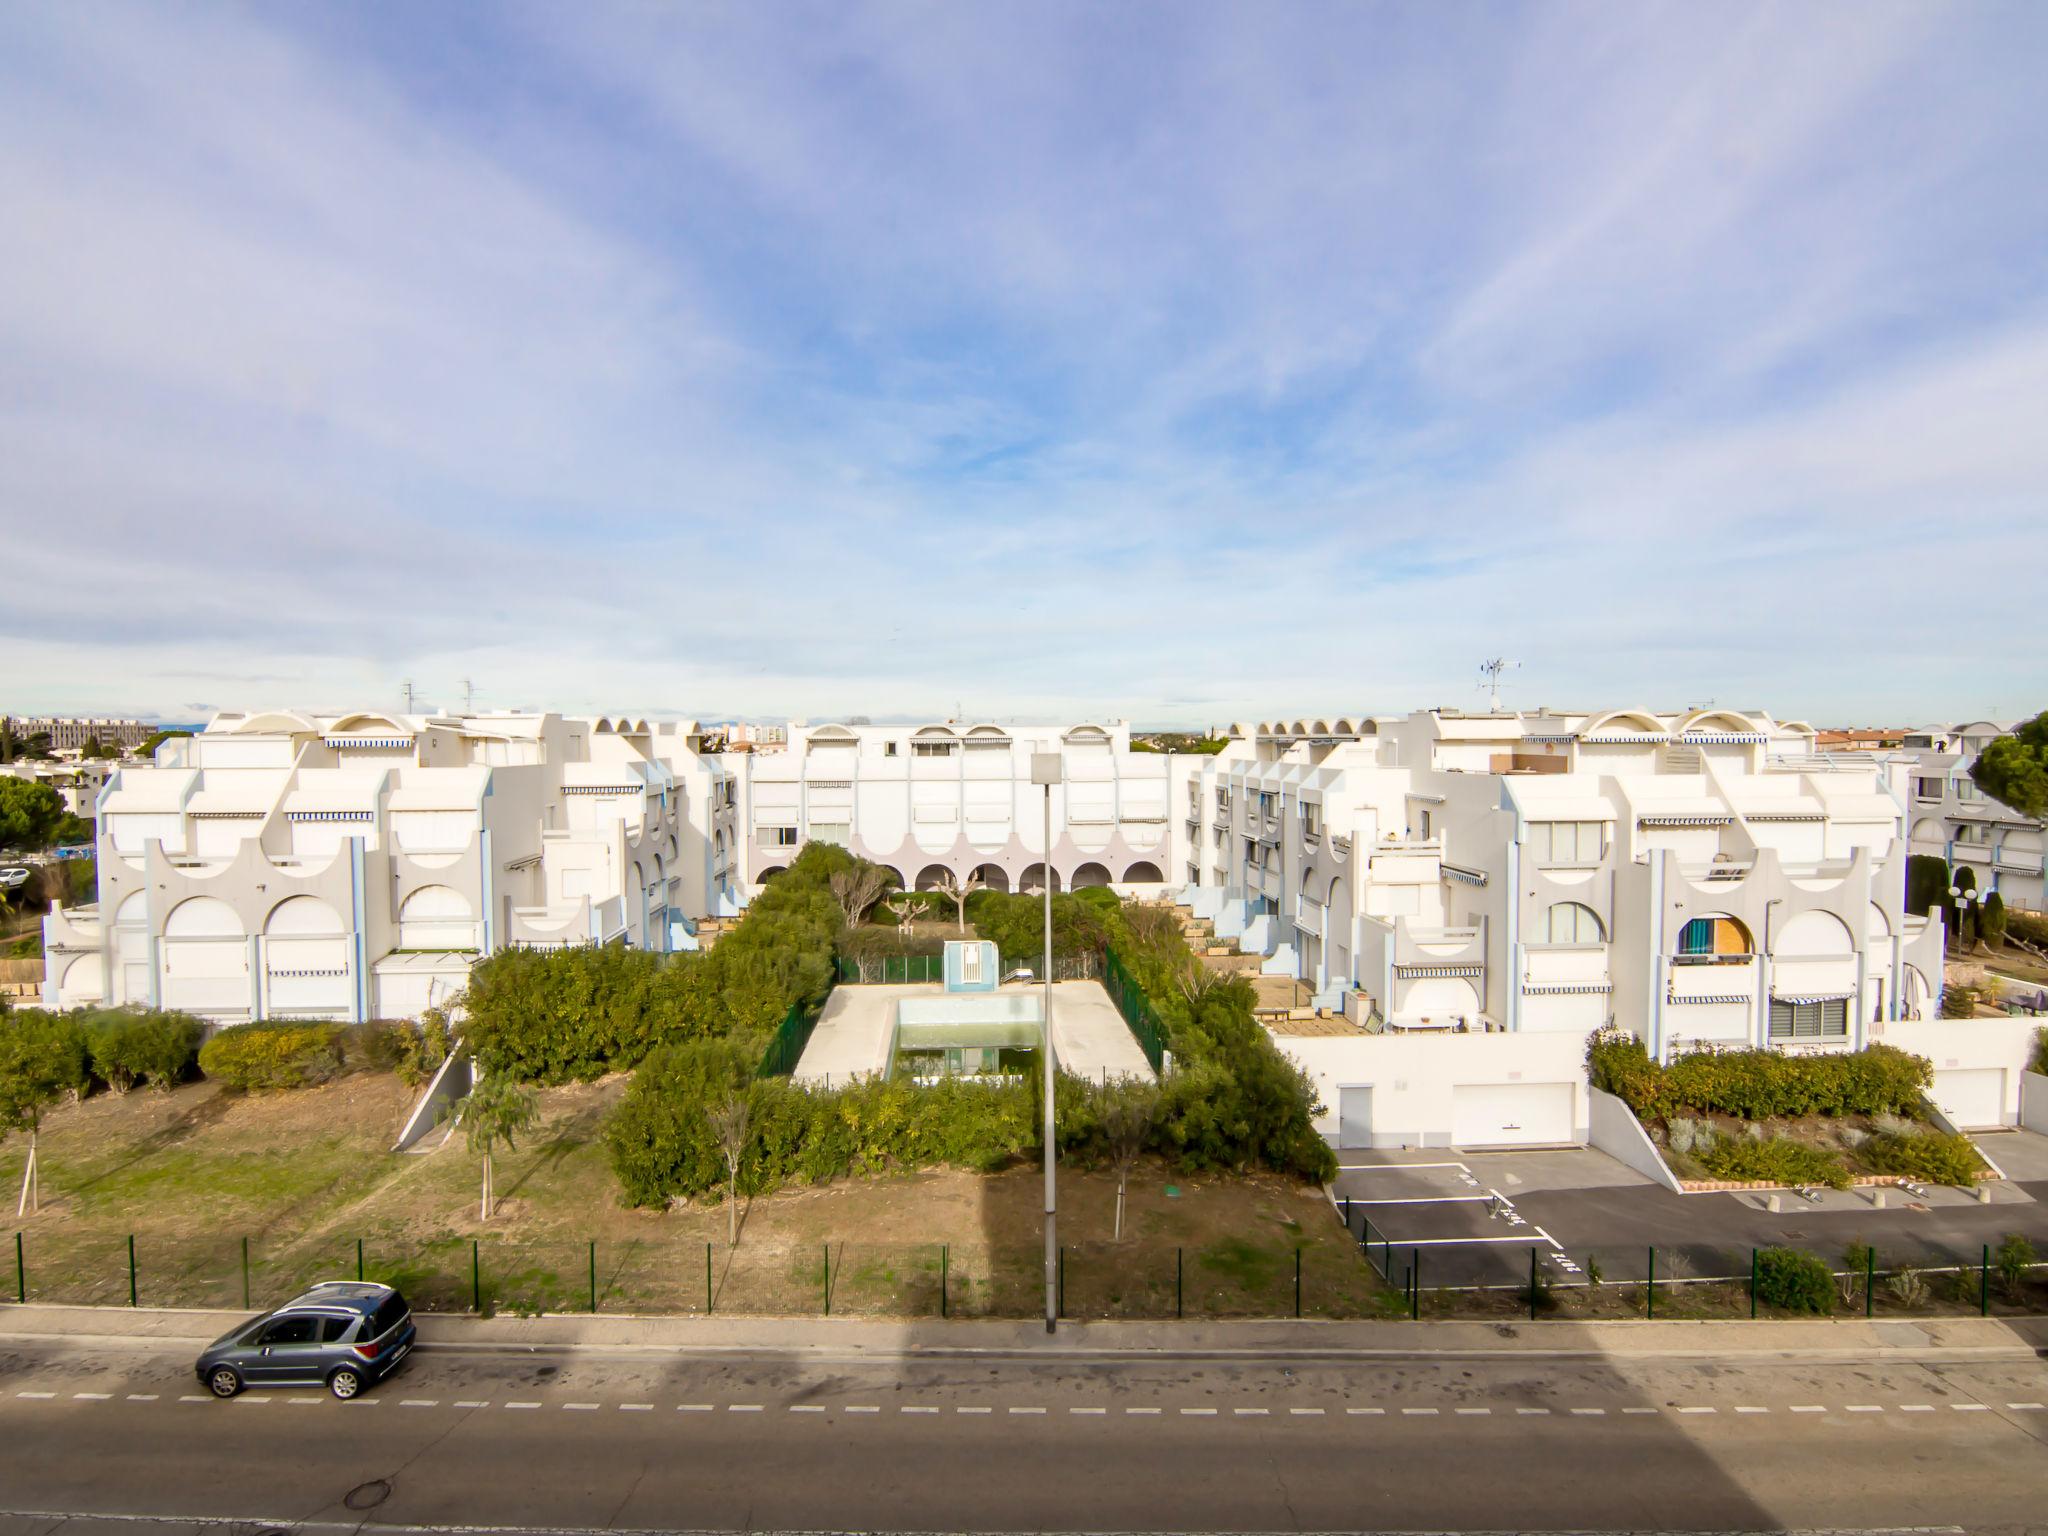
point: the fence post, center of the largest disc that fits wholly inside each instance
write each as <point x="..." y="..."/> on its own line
<point x="476" y="1278"/>
<point x="131" y="1268"/>
<point x="828" y="1279"/>
<point x="359" y="1258"/>
<point x="1297" y="1282"/>
<point x="1752" y="1284"/>
<point x="1177" y="1312"/>
<point x="593" y="1275"/>
<point x="1347" y="1213"/>
<point x="942" y="1278"/>
<point x="1532" y="1282"/>
<point x="1414" y="1283"/>
<point x="20" y="1272"/>
<point x="1869" y="1280"/>
<point x="1984" y="1284"/>
<point x="1650" y="1289"/>
<point x="707" y="1278"/>
<point x="1059" y="1300"/>
<point x="245" y="1272"/>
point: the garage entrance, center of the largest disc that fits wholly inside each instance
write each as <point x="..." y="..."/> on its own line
<point x="1973" y="1097"/>
<point x="1511" y="1115"/>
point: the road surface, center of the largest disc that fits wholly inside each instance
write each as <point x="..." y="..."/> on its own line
<point x="562" y="1440"/>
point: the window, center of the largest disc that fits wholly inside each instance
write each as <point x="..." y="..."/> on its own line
<point x="1966" y="788"/>
<point x="1565" y="842"/>
<point x="1827" y="1019"/>
<point x="1311" y="819"/>
<point x="1428" y="824"/>
<point x="334" y="1329"/>
<point x="778" y="837"/>
<point x="391" y="1311"/>
<point x="1251" y="851"/>
<point x="301" y="1329"/>
<point x="1927" y="789"/>
<point x="831" y="832"/>
<point x="932" y="748"/>
<point x="1194" y="874"/>
<point x="888" y="749"/>
<point x="1570" y="923"/>
<point x="1975" y="833"/>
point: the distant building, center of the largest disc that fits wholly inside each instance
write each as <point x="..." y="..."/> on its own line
<point x="1955" y="820"/>
<point x="78" y="782"/>
<point x="356" y="866"/>
<point x="1860" y="738"/>
<point x="68" y="735"/>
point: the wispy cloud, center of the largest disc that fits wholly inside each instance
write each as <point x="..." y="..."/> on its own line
<point x="1181" y="364"/>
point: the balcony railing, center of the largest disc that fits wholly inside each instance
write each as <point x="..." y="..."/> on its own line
<point x="1341" y="846"/>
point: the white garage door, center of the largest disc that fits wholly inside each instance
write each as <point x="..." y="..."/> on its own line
<point x="1973" y="1097"/>
<point x="1511" y="1115"/>
<point x="1354" y="1117"/>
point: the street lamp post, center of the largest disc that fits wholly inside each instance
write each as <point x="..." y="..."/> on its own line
<point x="1045" y="771"/>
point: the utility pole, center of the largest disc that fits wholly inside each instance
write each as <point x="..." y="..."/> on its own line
<point x="1045" y="770"/>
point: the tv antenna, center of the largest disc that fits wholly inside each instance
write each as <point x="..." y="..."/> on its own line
<point x="407" y="686"/>
<point x="468" y="697"/>
<point x="1490" y="672"/>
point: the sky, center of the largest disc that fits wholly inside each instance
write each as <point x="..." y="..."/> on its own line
<point x="1178" y="363"/>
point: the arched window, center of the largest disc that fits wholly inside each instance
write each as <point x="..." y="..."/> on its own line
<point x="1718" y="935"/>
<point x="1570" y="922"/>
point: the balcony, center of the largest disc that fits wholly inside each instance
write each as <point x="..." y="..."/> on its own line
<point x="1439" y="951"/>
<point x="1309" y="919"/>
<point x="1341" y="846"/>
<point x="2020" y="863"/>
<point x="1712" y="978"/>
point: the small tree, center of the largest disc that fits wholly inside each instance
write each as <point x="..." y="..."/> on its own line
<point x="957" y="890"/>
<point x="496" y="1109"/>
<point x="858" y="889"/>
<point x="2013" y="770"/>
<point x="42" y="1058"/>
<point x="732" y="1126"/>
<point x="1991" y="921"/>
<point x="30" y="813"/>
<point x="2015" y="1257"/>
<point x="1128" y="1114"/>
<point x="1926" y="882"/>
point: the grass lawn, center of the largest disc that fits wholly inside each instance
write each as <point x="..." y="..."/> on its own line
<point x="305" y="1176"/>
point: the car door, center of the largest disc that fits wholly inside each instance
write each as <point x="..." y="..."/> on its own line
<point x="287" y="1349"/>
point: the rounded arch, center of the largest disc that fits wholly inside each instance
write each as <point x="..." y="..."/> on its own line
<point x="1319" y="728"/>
<point x="1086" y="736"/>
<point x="1876" y="924"/>
<point x="1440" y="997"/>
<point x="1718" y="720"/>
<point x="1143" y="872"/>
<point x="1032" y="881"/>
<point x="204" y="917"/>
<point x="895" y="875"/>
<point x="932" y="875"/>
<point x="1624" y="722"/>
<point x="134" y="908"/>
<point x="770" y="873"/>
<point x="303" y="917"/>
<point x="1815" y="932"/>
<point x="931" y="733"/>
<point x="1573" y="922"/>
<point x="988" y="733"/>
<point x="1929" y="829"/>
<point x="1715" y="933"/>
<point x="352" y="724"/>
<point x="1918" y="994"/>
<point x="993" y="877"/>
<point x="436" y="917"/>
<point x="266" y="721"/>
<point x="1346" y="726"/>
<point x="1088" y="875"/>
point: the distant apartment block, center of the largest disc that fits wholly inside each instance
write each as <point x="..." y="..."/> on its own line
<point x="1955" y="820"/>
<point x="68" y="735"/>
<point x="356" y="866"/>
<point x="77" y="783"/>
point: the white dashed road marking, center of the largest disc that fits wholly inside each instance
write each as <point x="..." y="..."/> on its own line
<point x="580" y="1407"/>
<point x="689" y="1407"/>
<point x="435" y="1402"/>
<point x="1865" y="1408"/>
<point x="1971" y="1407"/>
<point x="625" y="1407"/>
<point x="1249" y="1413"/>
<point x="1699" y="1410"/>
<point x="522" y="1405"/>
<point x="806" y="1408"/>
<point x="473" y="1403"/>
<point x="1589" y="1413"/>
<point x="868" y="1408"/>
<point x="1474" y="1412"/>
<point x="141" y="1397"/>
<point x="1193" y="1413"/>
<point x="742" y="1407"/>
<point x="1153" y="1411"/>
<point x="1300" y="1412"/>
<point x="52" y="1394"/>
<point x="1808" y="1408"/>
<point x="913" y="1408"/>
<point x="92" y="1397"/>
<point x="1087" y="1410"/>
<point x="1027" y="1410"/>
<point x="1533" y="1412"/>
<point x="976" y="1409"/>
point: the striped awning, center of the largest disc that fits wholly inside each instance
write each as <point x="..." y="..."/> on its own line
<point x="330" y="815"/>
<point x="1710" y="997"/>
<point x="1414" y="970"/>
<point x="1626" y="738"/>
<point x="604" y="789"/>
<point x="1814" y="997"/>
<point x="1784" y="816"/>
<point x="394" y="743"/>
<point x="1564" y="988"/>
<point x="1727" y="738"/>
<point x="1459" y="872"/>
<point x="1690" y="819"/>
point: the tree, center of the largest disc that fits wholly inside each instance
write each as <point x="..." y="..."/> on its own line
<point x="148" y="748"/>
<point x="2013" y="770"/>
<point x="1991" y="921"/>
<point x="956" y="890"/>
<point x="1128" y="1115"/>
<point x="1926" y="882"/>
<point x="858" y="889"/>
<point x="732" y="1126"/>
<point x="1961" y="921"/>
<point x="42" y="1058"/>
<point x="30" y="813"/>
<point x="14" y="745"/>
<point x="496" y="1109"/>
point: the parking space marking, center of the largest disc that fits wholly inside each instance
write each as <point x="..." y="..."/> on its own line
<point x="51" y="1394"/>
<point x="472" y="1403"/>
<point x="522" y="1405"/>
<point x="1699" y="1410"/>
<point x="92" y="1397"/>
<point x="252" y="1399"/>
<point x="1198" y="1413"/>
<point x="1916" y="1407"/>
<point x="1249" y="1413"/>
<point x="194" y="1398"/>
<point x="150" y="1397"/>
<point x="1752" y="1410"/>
<point x="1365" y="1412"/>
<point x="1015" y="1409"/>
<point x="1419" y="1413"/>
<point x="580" y="1407"/>
<point x="302" y="1402"/>
<point x="1865" y="1408"/>
<point x="1638" y="1410"/>
<point x="2024" y="1407"/>
<point x="1808" y="1408"/>
<point x="1427" y="1200"/>
<point x="1152" y="1411"/>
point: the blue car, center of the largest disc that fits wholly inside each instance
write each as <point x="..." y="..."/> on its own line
<point x="344" y="1335"/>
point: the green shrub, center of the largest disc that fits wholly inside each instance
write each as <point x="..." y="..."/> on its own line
<point x="1777" y="1160"/>
<point x="1926" y="882"/>
<point x="273" y="1055"/>
<point x="1794" y="1280"/>
<point x="2040" y="1060"/>
<point x="421" y="1047"/>
<point x="1758" y="1085"/>
<point x="154" y="1048"/>
<point x="1015" y="924"/>
<point x="1933" y="1157"/>
<point x="2015" y="1259"/>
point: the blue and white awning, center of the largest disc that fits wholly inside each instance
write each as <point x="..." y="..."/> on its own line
<point x="1418" y="971"/>
<point x="330" y="815"/>
<point x="1690" y="819"/>
<point x="1459" y="872"/>
<point x="356" y="743"/>
<point x="1815" y="997"/>
<point x="1710" y="997"/>
<point x="1564" y="988"/>
<point x="1725" y="738"/>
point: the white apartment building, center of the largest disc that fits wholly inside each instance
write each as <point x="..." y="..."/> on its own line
<point x="1481" y="892"/>
<point x="355" y="866"/>
<point x="1956" y="821"/>
<point x="928" y="799"/>
<point x="77" y="781"/>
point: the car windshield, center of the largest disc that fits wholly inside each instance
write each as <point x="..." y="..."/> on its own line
<point x="389" y="1315"/>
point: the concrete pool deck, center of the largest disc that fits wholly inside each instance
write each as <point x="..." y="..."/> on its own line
<point x="852" y="1037"/>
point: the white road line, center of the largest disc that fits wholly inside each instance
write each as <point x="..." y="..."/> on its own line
<point x="914" y="1408"/>
<point x="91" y="1397"/>
<point x="1916" y="1407"/>
<point x="1026" y="1410"/>
<point x="1426" y="1200"/>
<point x="52" y="1394"/>
<point x="2024" y="1407"/>
<point x="1589" y="1413"/>
<point x="806" y="1408"/>
<point x="1638" y="1410"/>
<point x="862" y="1408"/>
<point x="1971" y="1407"/>
<point x="625" y="1407"/>
<point x="302" y="1402"/>
<point x="1752" y="1410"/>
<point x="581" y="1407"/>
<point x="472" y="1403"/>
<point x="1699" y="1410"/>
<point x="150" y="1397"/>
<point x="522" y="1405"/>
<point x="1475" y="1412"/>
<point x="689" y="1407"/>
<point x="1152" y="1411"/>
<point x="1554" y="1243"/>
<point x="430" y="1402"/>
<point x="1199" y="1413"/>
<point x="1365" y="1412"/>
<point x="1250" y="1413"/>
<point x="1865" y="1408"/>
<point x="1306" y="1412"/>
<point x="1808" y="1408"/>
<point x="1392" y="1167"/>
<point x="1533" y="1235"/>
<point x="252" y="1399"/>
<point x="191" y="1398"/>
<point x="1420" y="1413"/>
<point x="742" y="1407"/>
<point x="1087" y="1410"/>
<point x="1533" y="1412"/>
<point x="981" y="1409"/>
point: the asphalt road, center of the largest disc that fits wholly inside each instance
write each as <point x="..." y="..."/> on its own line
<point x="567" y="1441"/>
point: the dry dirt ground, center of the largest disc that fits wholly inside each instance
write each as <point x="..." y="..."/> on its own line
<point x="228" y="1196"/>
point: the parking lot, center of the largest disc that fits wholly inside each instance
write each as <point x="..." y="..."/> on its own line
<point x="1474" y="1218"/>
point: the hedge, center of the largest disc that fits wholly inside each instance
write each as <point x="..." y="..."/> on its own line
<point x="150" y="1047"/>
<point x="1934" y="1157"/>
<point x="1794" y="1280"/>
<point x="1775" y="1160"/>
<point x="1757" y="1085"/>
<point x="273" y="1055"/>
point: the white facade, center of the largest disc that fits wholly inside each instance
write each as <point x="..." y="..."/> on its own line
<point x="1956" y="821"/>
<point x="928" y="799"/>
<point x="1484" y="891"/>
<point x="356" y="866"/>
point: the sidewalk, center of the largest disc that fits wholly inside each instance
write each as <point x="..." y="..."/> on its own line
<point x="856" y="1338"/>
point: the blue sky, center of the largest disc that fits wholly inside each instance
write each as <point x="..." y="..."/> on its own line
<point x="1183" y="363"/>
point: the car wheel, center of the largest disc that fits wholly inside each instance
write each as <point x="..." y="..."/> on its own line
<point x="223" y="1382"/>
<point x="345" y="1383"/>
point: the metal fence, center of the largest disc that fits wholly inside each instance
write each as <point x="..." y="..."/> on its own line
<point x="1136" y="1008"/>
<point x="786" y="1046"/>
<point x="887" y="970"/>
